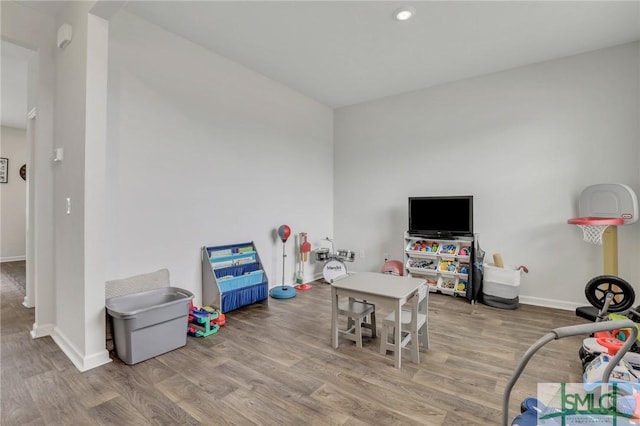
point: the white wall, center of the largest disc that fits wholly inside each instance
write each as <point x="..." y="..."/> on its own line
<point x="78" y="186"/>
<point x="13" y="195"/>
<point x="69" y="178"/>
<point x="28" y="28"/>
<point x="524" y="142"/>
<point x="202" y="151"/>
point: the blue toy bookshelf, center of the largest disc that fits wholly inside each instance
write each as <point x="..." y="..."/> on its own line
<point x="233" y="276"/>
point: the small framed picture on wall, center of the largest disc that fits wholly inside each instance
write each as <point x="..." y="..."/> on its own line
<point x="4" y="170"/>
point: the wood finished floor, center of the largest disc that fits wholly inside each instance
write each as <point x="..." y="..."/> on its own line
<point x="275" y="366"/>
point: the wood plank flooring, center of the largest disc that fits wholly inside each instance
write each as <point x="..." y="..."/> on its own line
<point x="274" y="365"/>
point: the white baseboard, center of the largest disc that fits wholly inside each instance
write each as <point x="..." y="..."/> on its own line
<point x="41" y="330"/>
<point x="67" y="347"/>
<point x="12" y="259"/>
<point x="82" y="363"/>
<point x="96" y="360"/>
<point x="550" y="303"/>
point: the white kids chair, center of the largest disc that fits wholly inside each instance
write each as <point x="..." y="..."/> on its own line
<point x="415" y="328"/>
<point x="358" y="314"/>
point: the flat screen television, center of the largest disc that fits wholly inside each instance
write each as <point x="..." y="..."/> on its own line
<point x="441" y="216"/>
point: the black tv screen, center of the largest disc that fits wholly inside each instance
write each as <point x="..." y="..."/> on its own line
<point x="441" y="216"/>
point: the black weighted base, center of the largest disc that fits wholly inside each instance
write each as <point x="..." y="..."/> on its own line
<point x="633" y="316"/>
<point x="587" y="312"/>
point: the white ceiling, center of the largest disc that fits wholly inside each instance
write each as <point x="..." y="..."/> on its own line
<point x="346" y="52"/>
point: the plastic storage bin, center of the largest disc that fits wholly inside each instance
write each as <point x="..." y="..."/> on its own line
<point x="501" y="286"/>
<point x="149" y="323"/>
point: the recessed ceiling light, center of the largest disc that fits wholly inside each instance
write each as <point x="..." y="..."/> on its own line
<point x="405" y="13"/>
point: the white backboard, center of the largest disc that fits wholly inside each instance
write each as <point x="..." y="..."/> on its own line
<point x="611" y="200"/>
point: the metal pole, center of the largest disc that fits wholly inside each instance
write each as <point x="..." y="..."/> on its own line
<point x="283" y="256"/>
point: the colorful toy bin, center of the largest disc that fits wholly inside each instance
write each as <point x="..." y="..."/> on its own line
<point x="149" y="323"/>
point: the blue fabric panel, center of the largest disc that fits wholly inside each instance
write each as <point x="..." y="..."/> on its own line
<point x="232" y="258"/>
<point x="237" y="270"/>
<point x="244" y="296"/>
<point x="229" y="284"/>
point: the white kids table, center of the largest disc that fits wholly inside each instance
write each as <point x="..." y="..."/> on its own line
<point x="383" y="290"/>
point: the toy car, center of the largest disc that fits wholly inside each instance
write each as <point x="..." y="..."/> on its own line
<point x="621" y="373"/>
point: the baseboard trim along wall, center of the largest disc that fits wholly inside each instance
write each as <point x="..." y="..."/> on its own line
<point x="12" y="259"/>
<point x="550" y="303"/>
<point x="82" y="363"/>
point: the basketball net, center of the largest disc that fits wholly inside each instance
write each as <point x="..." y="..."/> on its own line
<point x="593" y="233"/>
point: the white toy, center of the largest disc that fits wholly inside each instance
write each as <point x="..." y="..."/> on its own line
<point x="591" y="349"/>
<point x="621" y="373"/>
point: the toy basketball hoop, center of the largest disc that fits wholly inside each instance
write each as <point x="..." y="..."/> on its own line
<point x="602" y="209"/>
<point x="593" y="227"/>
